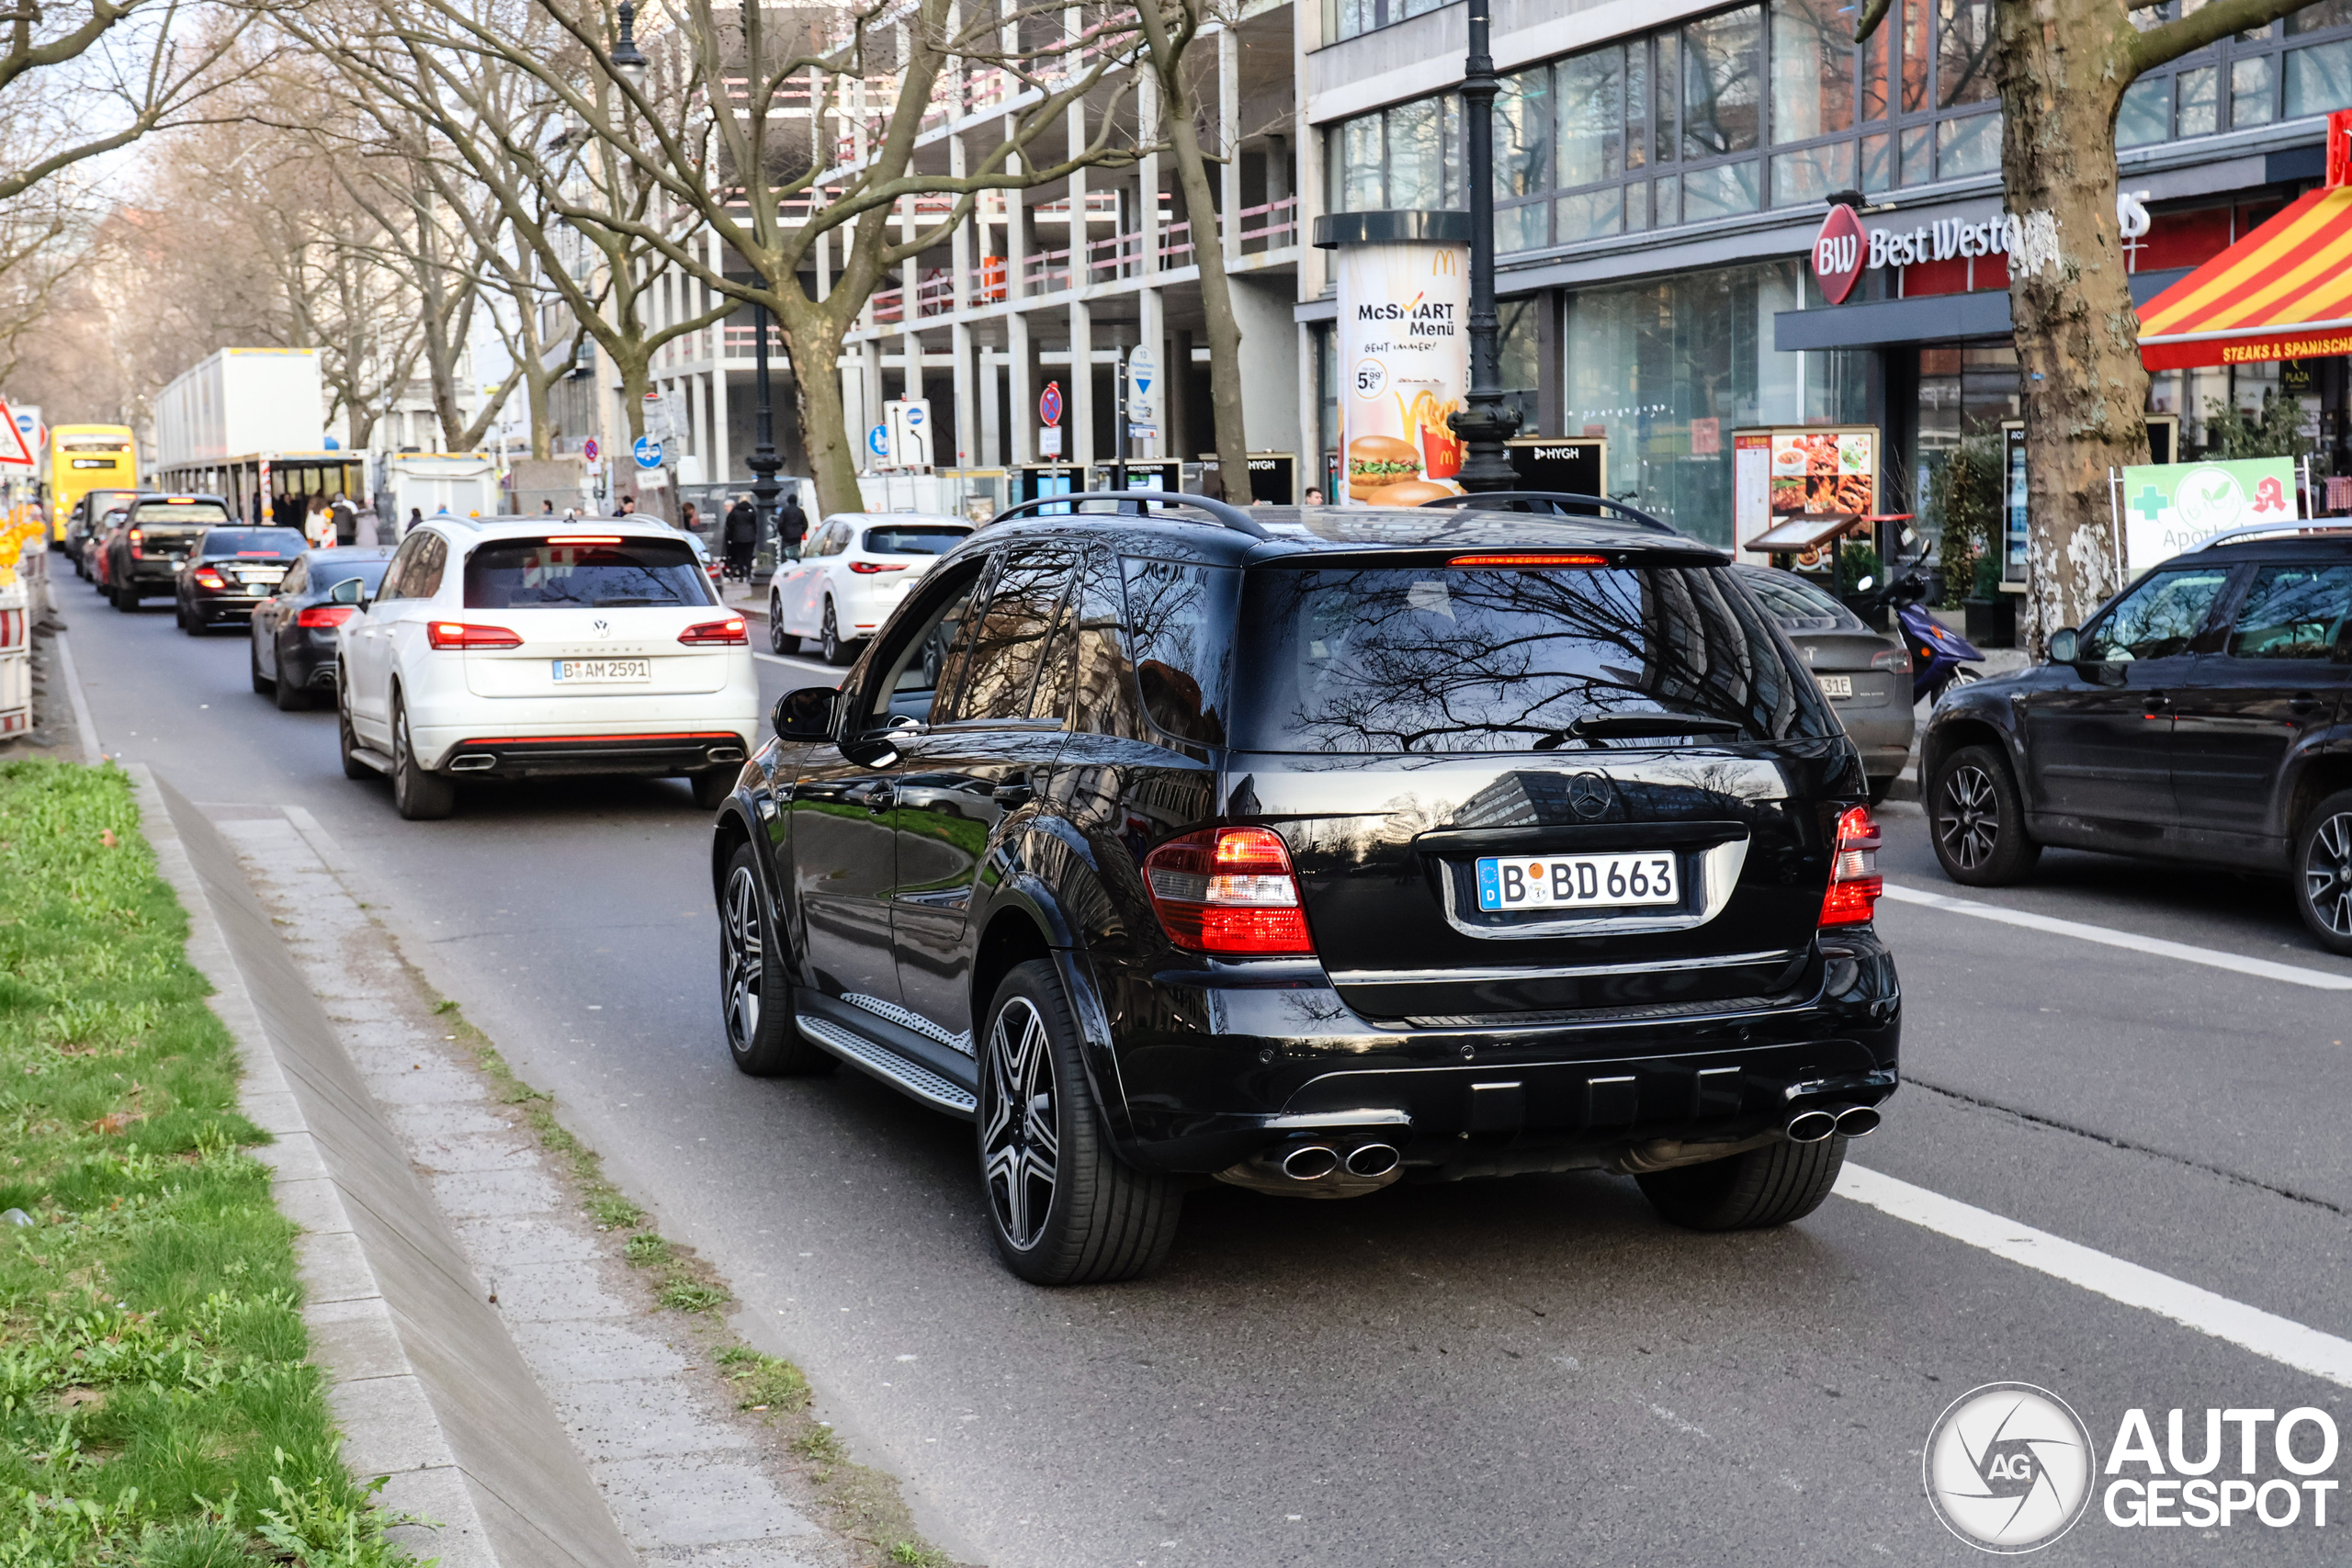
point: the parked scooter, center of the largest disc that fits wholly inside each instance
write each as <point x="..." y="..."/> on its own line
<point x="1941" y="658"/>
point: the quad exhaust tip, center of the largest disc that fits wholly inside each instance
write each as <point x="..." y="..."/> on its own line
<point x="1371" y="1159"/>
<point x="1310" y="1163"/>
<point x="1849" y="1121"/>
<point x="1857" y="1121"/>
<point x="473" y="764"/>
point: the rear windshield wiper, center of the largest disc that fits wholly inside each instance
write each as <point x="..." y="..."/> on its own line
<point x="1636" y="726"/>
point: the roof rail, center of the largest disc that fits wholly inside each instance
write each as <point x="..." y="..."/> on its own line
<point x="1224" y="512"/>
<point x="2260" y="530"/>
<point x="1559" y="498"/>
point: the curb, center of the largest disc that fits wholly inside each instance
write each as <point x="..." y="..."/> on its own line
<point x="423" y="1379"/>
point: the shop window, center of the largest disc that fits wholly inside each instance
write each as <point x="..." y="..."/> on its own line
<point x="1524" y="227"/>
<point x="2320" y="78"/>
<point x="1591" y="116"/>
<point x="1876" y="103"/>
<point x="1522" y="124"/>
<point x="2319" y="18"/>
<point x="2252" y="100"/>
<point x="1918" y="155"/>
<point x="2145" y="116"/>
<point x="1669" y="200"/>
<point x="1722" y="70"/>
<point x="1914" y="55"/>
<point x="1664" y="122"/>
<point x="2199" y="101"/>
<point x="1416" y="147"/>
<point x="1970" y="146"/>
<point x="1362" y="163"/>
<point x="1813" y="71"/>
<point x="1878" y="164"/>
<point x="1590" y="215"/>
<point x="1637" y="104"/>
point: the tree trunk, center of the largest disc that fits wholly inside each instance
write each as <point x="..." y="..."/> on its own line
<point x="814" y="339"/>
<point x="1208" y="254"/>
<point x="2063" y="65"/>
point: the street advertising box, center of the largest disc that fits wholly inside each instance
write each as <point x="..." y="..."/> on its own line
<point x="1031" y="481"/>
<point x="1573" y="464"/>
<point x="1404" y="354"/>
<point x="2164" y="445"/>
<point x="2171" y="507"/>
<point x="1273" y="479"/>
<point x="1155" y="475"/>
<point x="1784" y="473"/>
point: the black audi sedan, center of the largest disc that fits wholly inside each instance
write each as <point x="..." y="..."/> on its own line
<point x="1311" y="850"/>
<point x="229" y="571"/>
<point x="293" y="641"/>
<point x="2201" y="715"/>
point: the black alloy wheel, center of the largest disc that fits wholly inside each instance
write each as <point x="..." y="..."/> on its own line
<point x="347" y="739"/>
<point x="1976" y="822"/>
<point x="780" y="640"/>
<point x="417" y="795"/>
<point x="293" y="696"/>
<point x="754" y="987"/>
<point x="829" y="638"/>
<point x="1063" y="1208"/>
<point x="2324" y="871"/>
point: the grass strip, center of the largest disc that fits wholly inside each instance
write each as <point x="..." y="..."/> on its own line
<point x="155" y="1408"/>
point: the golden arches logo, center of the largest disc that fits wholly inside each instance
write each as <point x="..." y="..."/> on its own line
<point x="1445" y="262"/>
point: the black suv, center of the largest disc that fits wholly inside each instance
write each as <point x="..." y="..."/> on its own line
<point x="1314" y="850"/>
<point x="148" y="552"/>
<point x="2199" y="716"/>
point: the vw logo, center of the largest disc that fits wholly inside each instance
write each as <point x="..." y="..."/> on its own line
<point x="1588" y="795"/>
<point x="604" y="627"/>
<point x="2009" y="1467"/>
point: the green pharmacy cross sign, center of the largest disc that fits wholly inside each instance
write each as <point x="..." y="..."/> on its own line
<point x="2173" y="507"/>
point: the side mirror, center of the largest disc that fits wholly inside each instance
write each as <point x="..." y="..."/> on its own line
<point x="2065" y="646"/>
<point x="350" y="590"/>
<point x="807" y="714"/>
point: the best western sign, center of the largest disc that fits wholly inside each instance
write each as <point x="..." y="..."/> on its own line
<point x="1844" y="248"/>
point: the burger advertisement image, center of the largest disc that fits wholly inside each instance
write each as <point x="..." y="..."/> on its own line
<point x="1405" y="362"/>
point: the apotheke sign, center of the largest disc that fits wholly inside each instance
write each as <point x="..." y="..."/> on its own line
<point x="1844" y="248"/>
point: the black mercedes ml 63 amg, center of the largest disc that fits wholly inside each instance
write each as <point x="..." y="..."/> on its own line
<point x="1314" y="850"/>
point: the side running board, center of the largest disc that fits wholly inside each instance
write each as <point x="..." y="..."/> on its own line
<point x="888" y="1065"/>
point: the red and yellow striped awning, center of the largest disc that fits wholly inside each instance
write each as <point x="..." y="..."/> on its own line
<point x="2283" y="292"/>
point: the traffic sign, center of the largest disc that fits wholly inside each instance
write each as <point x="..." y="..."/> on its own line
<point x="877" y="440"/>
<point x="29" y="425"/>
<point x="1143" y="372"/>
<point x="1049" y="441"/>
<point x="907" y="436"/>
<point x="1049" y="404"/>
<point x="590" y="450"/>
<point x="16" y="452"/>
<point x="649" y="452"/>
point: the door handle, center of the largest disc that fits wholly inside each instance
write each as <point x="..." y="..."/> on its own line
<point x="2303" y="702"/>
<point x="1012" y="792"/>
<point x="875" y="798"/>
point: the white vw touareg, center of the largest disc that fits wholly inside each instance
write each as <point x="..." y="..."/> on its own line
<point x="527" y="648"/>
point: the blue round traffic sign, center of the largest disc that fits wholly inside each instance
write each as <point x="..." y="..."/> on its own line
<point x="877" y="441"/>
<point x="649" y="452"/>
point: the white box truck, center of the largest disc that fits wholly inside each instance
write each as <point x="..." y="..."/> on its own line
<point x="463" y="484"/>
<point x="249" y="425"/>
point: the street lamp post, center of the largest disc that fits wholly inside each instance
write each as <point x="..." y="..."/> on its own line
<point x="1488" y="421"/>
<point x="629" y="61"/>
<point x="763" y="462"/>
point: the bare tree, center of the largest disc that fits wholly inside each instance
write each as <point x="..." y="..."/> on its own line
<point x="2062" y="67"/>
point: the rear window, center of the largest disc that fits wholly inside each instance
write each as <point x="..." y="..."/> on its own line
<point x="914" y="539"/>
<point x="191" y="511"/>
<point x="1430" y="658"/>
<point x="1798" y="606"/>
<point x="522" y="574"/>
<point x="284" y="543"/>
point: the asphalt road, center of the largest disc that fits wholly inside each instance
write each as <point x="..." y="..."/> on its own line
<point x="1531" y="1372"/>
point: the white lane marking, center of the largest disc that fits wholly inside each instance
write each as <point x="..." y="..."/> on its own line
<point x="788" y="662"/>
<point x="2293" y="974"/>
<point x="2192" y="1307"/>
<point x="82" y="719"/>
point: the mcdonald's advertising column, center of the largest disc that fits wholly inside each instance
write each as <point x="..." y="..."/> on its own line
<point x="1404" y="350"/>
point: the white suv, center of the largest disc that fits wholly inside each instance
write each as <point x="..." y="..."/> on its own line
<point x="851" y="573"/>
<point x="526" y="648"/>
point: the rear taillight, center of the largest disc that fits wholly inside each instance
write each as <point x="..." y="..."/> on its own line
<point x="1895" y="659"/>
<point x="1227" y="890"/>
<point x="728" y="632"/>
<point x="1854" y="881"/>
<point x="208" y="578"/>
<point x="456" y="633"/>
<point x="866" y="567"/>
<point x="326" y="615"/>
<point x="136" y="536"/>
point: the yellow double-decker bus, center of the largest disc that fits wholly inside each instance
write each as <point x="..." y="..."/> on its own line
<point x="84" y="457"/>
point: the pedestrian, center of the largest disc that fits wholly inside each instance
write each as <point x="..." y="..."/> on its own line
<point x="546" y="506"/>
<point x="742" y="535"/>
<point x="791" y="526"/>
<point x="689" y="520"/>
<point x="415" y="515"/>
<point x="628" y="507"/>
<point x="366" y="528"/>
<point x="347" y="520"/>
<point x="317" y="524"/>
<point x="1314" y="497"/>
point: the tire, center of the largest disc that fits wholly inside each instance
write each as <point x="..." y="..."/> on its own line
<point x="711" y="789"/>
<point x="292" y="695"/>
<point x="125" y="599"/>
<point x="262" y="684"/>
<point x="1976" y="822"/>
<point x="828" y="640"/>
<point x="780" y="640"/>
<point x="417" y="795"/>
<point x="346" y="738"/>
<point x="1771" y="1186"/>
<point x="1062" y="1208"/>
<point x="1878" y="789"/>
<point x="754" y="984"/>
<point x="2324" y="871"/>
